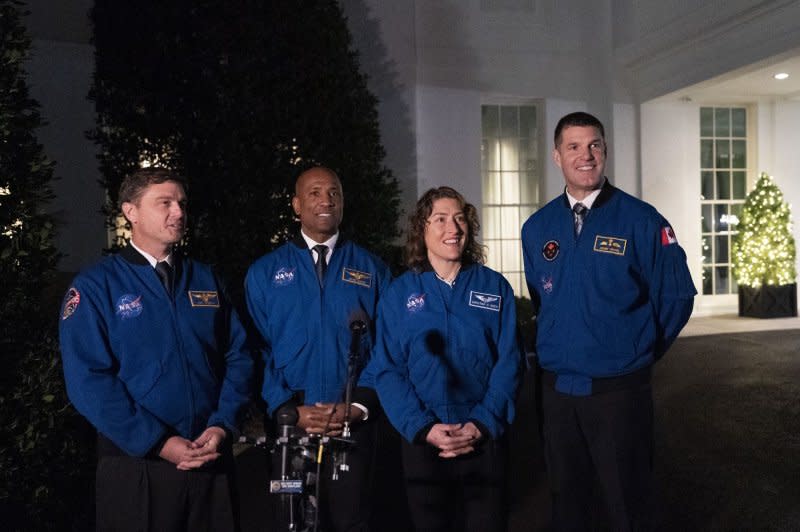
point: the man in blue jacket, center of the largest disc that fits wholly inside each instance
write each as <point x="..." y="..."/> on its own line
<point x="303" y="298"/>
<point x="611" y="291"/>
<point x="155" y="358"/>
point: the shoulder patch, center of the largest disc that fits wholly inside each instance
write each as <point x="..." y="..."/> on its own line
<point x="610" y="244"/>
<point x="485" y="301"/>
<point x="71" y="301"/>
<point x="204" y="298"/>
<point x="668" y="236"/>
<point x="349" y="275"/>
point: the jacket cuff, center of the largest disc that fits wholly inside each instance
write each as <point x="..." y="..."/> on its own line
<point x="419" y="437"/>
<point x="155" y="450"/>
<point x="367" y="397"/>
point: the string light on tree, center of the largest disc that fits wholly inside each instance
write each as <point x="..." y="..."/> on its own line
<point x="764" y="248"/>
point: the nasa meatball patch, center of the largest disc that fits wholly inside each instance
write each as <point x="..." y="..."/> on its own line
<point x="550" y="250"/>
<point x="415" y="303"/>
<point x="129" y="306"/>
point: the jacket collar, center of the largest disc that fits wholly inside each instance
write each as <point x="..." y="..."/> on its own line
<point x="606" y="193"/>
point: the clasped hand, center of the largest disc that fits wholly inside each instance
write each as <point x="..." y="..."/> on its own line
<point x="327" y="418"/>
<point x="188" y="454"/>
<point x="454" y="439"/>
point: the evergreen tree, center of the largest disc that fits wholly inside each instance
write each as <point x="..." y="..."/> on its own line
<point x="240" y="97"/>
<point x="764" y="248"/>
<point x="40" y="455"/>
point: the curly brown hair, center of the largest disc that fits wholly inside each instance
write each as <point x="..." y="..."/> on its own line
<point x="416" y="252"/>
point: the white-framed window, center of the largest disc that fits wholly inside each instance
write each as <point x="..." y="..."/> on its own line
<point x="510" y="170"/>
<point x="723" y="187"/>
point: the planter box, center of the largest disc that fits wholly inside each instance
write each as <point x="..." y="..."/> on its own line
<point x="768" y="301"/>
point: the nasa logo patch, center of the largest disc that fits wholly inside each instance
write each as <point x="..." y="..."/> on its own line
<point x="129" y="306"/>
<point x="415" y="302"/>
<point x="283" y="277"/>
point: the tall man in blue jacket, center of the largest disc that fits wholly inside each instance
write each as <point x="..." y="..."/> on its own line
<point x="155" y="358"/>
<point x="611" y="291"/>
<point x="303" y="297"/>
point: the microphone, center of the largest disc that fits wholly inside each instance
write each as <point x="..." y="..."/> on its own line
<point x="286" y="418"/>
<point x="357" y="329"/>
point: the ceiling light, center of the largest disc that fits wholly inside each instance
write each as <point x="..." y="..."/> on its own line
<point x="781" y="75"/>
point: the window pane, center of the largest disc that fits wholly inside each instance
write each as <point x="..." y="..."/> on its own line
<point x="490" y="120"/>
<point x="528" y="189"/>
<point x="738" y="122"/>
<point x="509" y="154"/>
<point x="706" y="154"/>
<point x="721" y="283"/>
<point x="720" y="217"/>
<point x="739" y="158"/>
<point x="707" y="185"/>
<point x="708" y="218"/>
<point x="706" y="251"/>
<point x="510" y="223"/>
<point x="723" y="185"/>
<point x="493" y="254"/>
<point x="511" y="255"/>
<point x="509" y="124"/>
<point x="491" y="187"/>
<point x="723" y="154"/>
<point x="706" y="122"/>
<point x="528" y="154"/>
<point x="708" y="288"/>
<point x="492" y="154"/>
<point x="491" y="222"/>
<point x="721" y="249"/>
<point x="739" y="185"/>
<point x="510" y="194"/>
<point x="527" y="121"/>
<point x="722" y="119"/>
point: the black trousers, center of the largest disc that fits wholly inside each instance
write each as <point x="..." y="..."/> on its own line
<point x="345" y="504"/>
<point x="466" y="493"/>
<point x="150" y="494"/>
<point x="607" y="439"/>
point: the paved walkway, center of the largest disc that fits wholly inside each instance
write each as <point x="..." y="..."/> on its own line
<point x="727" y="399"/>
<point x="731" y="323"/>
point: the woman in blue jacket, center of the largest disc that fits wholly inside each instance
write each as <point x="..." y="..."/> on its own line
<point x="447" y="363"/>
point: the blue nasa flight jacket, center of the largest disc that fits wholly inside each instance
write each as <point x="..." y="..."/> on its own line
<point x="448" y="355"/>
<point x="611" y="301"/>
<point x="142" y="366"/>
<point x="305" y="327"/>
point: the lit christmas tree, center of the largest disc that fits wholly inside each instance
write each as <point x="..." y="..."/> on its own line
<point x="764" y="249"/>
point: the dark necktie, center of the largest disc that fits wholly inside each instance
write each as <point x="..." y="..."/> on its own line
<point x="164" y="271"/>
<point x="321" y="265"/>
<point x="579" y="209"/>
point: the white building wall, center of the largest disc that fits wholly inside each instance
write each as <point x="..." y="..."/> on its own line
<point x="449" y="140"/>
<point x="59" y="78"/>
<point x="670" y="159"/>
<point x="785" y="164"/>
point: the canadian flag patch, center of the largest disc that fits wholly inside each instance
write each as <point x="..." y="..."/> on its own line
<point x="668" y="236"/>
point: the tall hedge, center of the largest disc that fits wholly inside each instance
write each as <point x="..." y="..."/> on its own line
<point x="43" y="453"/>
<point x="239" y="97"/>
